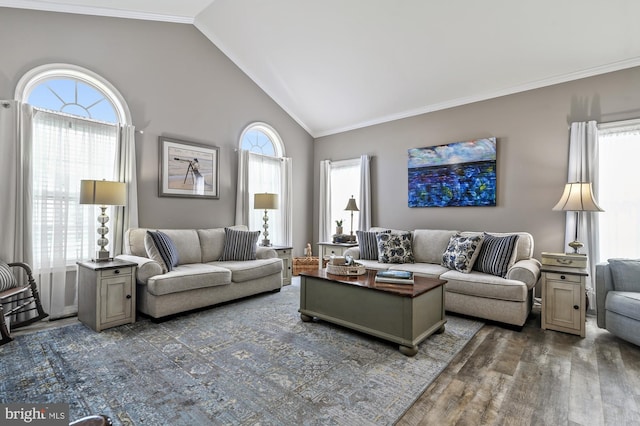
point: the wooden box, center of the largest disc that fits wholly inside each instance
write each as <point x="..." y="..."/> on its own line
<point x="568" y="260"/>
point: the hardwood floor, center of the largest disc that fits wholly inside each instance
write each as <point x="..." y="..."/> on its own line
<point x="535" y="377"/>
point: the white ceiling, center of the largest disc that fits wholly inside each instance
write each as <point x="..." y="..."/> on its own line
<point x="336" y="65"/>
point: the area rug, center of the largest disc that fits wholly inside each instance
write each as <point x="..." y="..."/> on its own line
<point x="249" y="362"/>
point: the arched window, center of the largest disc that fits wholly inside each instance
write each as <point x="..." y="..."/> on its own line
<point x="267" y="171"/>
<point x="75" y="135"/>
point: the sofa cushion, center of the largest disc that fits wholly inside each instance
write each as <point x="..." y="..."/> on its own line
<point x="394" y="247"/>
<point x="429" y="270"/>
<point x="485" y="285"/>
<point x="496" y="255"/>
<point x="461" y="252"/>
<point x="212" y="242"/>
<point x="247" y="270"/>
<point x="7" y="279"/>
<point x="524" y="248"/>
<point x="369" y="244"/>
<point x="188" y="277"/>
<point x="625" y="303"/>
<point x="626" y="274"/>
<point x="239" y="245"/>
<point x="161" y="248"/>
<point x="429" y="244"/>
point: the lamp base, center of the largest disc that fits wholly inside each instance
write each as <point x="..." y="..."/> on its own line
<point x="576" y="246"/>
<point x="102" y="256"/>
<point x="265" y="242"/>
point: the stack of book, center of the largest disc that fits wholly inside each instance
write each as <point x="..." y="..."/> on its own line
<point x="396" y="277"/>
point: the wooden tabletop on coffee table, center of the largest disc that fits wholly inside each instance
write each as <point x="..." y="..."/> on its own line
<point x="368" y="279"/>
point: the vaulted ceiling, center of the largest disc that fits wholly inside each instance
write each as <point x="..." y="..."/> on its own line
<point x="336" y="65"/>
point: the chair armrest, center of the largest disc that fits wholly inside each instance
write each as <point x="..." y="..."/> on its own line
<point x="604" y="284"/>
<point x="265" y="253"/>
<point x="526" y="270"/>
<point x="353" y="252"/>
<point x="97" y="420"/>
<point x="146" y="269"/>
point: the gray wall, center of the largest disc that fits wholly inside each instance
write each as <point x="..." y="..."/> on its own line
<point x="177" y="84"/>
<point x="532" y="133"/>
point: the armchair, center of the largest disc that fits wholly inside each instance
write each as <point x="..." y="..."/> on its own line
<point x="618" y="298"/>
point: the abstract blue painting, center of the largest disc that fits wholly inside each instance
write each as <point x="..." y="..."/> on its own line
<point x="453" y="175"/>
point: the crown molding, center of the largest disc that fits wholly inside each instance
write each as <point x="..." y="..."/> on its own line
<point x="95" y="11"/>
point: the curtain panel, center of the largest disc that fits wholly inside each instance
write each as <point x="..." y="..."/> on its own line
<point x="583" y="167"/>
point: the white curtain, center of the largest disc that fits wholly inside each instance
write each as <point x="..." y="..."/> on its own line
<point x="15" y="186"/>
<point x="583" y="167"/>
<point x="261" y="173"/>
<point x="65" y="150"/>
<point x="242" y="190"/>
<point x="126" y="217"/>
<point x="365" y="193"/>
<point x="324" y="219"/>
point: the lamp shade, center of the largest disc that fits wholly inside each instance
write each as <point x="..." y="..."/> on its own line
<point x="578" y="197"/>
<point x="265" y="201"/>
<point x="103" y="192"/>
<point x="351" y="205"/>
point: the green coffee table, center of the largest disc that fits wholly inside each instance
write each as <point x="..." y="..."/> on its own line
<point x="400" y="313"/>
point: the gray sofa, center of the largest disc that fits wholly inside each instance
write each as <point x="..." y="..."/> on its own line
<point x="507" y="300"/>
<point x="199" y="279"/>
<point x="618" y="298"/>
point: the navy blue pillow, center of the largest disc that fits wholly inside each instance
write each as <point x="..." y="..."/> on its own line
<point x="166" y="248"/>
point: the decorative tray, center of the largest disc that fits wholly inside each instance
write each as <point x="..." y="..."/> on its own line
<point x="356" y="269"/>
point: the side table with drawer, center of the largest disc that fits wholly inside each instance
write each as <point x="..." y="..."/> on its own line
<point x="284" y="253"/>
<point x="563" y="299"/>
<point x="106" y="293"/>
<point x="327" y="249"/>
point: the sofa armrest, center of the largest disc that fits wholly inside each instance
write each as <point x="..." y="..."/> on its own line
<point x="526" y="270"/>
<point x="146" y="269"/>
<point x="604" y="284"/>
<point x="265" y="253"/>
<point x="353" y="252"/>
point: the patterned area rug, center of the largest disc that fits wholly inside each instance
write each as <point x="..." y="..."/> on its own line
<point x="249" y="362"/>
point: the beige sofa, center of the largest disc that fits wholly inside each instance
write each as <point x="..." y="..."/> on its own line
<point x="199" y="279"/>
<point x="507" y="300"/>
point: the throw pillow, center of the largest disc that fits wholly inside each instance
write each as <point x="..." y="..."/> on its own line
<point x="368" y="244"/>
<point x="161" y="248"/>
<point x="239" y="245"/>
<point x="461" y="252"/>
<point x="395" y="247"/>
<point x="625" y="274"/>
<point x="496" y="255"/>
<point x="7" y="280"/>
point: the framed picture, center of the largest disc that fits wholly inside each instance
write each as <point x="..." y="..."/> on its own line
<point x="452" y="175"/>
<point x="188" y="169"/>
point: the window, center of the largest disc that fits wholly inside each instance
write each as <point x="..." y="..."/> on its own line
<point x="75" y="136"/>
<point x="619" y="229"/>
<point x="345" y="183"/>
<point x="267" y="172"/>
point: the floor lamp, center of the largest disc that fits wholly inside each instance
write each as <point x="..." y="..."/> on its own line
<point x="265" y="202"/>
<point x="577" y="197"/>
<point x="103" y="193"/>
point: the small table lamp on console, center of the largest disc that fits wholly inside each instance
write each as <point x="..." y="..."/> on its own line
<point x="577" y="197"/>
<point x="103" y="193"/>
<point x="352" y="207"/>
<point x="266" y="201"/>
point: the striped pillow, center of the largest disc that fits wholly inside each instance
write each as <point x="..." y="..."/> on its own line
<point x="497" y="254"/>
<point x="368" y="244"/>
<point x="7" y="280"/>
<point x="239" y="245"/>
<point x="161" y="248"/>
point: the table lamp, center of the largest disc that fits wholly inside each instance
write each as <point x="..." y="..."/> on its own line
<point x="266" y="201"/>
<point x="577" y="197"/>
<point x="352" y="207"/>
<point x="103" y="193"/>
